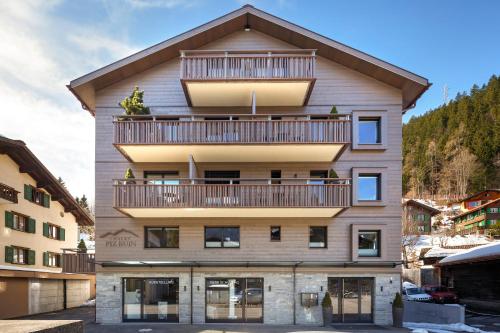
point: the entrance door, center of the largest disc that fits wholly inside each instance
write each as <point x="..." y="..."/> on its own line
<point x="155" y="299"/>
<point x="351" y="299"/>
<point x="234" y="300"/>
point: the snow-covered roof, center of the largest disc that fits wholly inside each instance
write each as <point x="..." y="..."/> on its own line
<point x="438" y="252"/>
<point x="480" y="253"/>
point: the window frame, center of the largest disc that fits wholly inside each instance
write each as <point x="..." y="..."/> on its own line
<point x="56" y="257"/>
<point x="378" y="185"/>
<point x="383" y="230"/>
<point x="19" y="215"/>
<point x="57" y="229"/>
<point x="163" y="231"/>
<point x="325" y="228"/>
<point x="16" y="250"/>
<point x="222" y="240"/>
<point x="358" y="117"/>
<point x="382" y="173"/>
<point x="271" y="233"/>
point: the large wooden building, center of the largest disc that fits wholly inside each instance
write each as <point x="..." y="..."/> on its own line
<point x="236" y="214"/>
<point x="40" y="220"/>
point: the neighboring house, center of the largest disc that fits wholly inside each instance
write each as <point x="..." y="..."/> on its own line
<point x="233" y="216"/>
<point x="478" y="219"/>
<point x="40" y="219"/>
<point x="478" y="199"/>
<point x="473" y="275"/>
<point x="418" y="215"/>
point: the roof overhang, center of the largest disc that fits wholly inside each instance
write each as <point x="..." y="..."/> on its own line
<point x="29" y="163"/>
<point x="411" y="85"/>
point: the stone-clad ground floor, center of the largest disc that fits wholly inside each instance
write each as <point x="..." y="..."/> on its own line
<point x="275" y="296"/>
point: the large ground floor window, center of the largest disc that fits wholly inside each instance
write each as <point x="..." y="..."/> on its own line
<point x="151" y="299"/>
<point x="352" y="299"/>
<point x="234" y="299"/>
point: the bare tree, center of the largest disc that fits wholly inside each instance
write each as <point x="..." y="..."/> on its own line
<point x="409" y="239"/>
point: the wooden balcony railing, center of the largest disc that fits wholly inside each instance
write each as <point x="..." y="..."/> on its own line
<point x="78" y="263"/>
<point x="261" y="129"/>
<point x="248" y="65"/>
<point x="8" y="193"/>
<point x="238" y="193"/>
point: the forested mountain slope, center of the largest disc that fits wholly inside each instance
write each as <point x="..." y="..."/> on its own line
<point x="454" y="149"/>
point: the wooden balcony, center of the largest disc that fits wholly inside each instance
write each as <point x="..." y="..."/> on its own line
<point x="241" y="138"/>
<point x="79" y="263"/>
<point x="229" y="78"/>
<point x="145" y="198"/>
<point x="8" y="195"/>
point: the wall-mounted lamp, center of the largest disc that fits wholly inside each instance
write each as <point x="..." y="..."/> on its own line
<point x="269" y="288"/>
<point x="114" y="288"/>
<point x="185" y="288"/>
<point x="247" y="27"/>
<point x="390" y="280"/>
<point x="198" y="288"/>
<point x="381" y="288"/>
<point x="321" y="288"/>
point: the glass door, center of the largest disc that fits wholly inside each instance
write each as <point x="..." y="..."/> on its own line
<point x="351" y="299"/>
<point x="234" y="300"/>
<point x="155" y="299"/>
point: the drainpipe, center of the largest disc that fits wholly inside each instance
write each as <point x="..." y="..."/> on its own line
<point x="294" y="296"/>
<point x="191" y="292"/>
<point x="254" y="102"/>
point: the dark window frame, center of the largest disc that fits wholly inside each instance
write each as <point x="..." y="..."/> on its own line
<point x="26" y="221"/>
<point x="271" y="233"/>
<point x="57" y="258"/>
<point x="325" y="228"/>
<point x="378" y="189"/>
<point x="379" y="243"/>
<point x="57" y="229"/>
<point x="379" y="130"/>
<point x="222" y="240"/>
<point x="25" y="254"/>
<point x="163" y="229"/>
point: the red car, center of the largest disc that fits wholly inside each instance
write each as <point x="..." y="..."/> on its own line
<point x="441" y="294"/>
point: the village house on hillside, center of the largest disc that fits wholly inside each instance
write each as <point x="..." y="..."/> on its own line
<point x="418" y="216"/>
<point x="478" y="219"/>
<point x="268" y="172"/>
<point x="41" y="221"/>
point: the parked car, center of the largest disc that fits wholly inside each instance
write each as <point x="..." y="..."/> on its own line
<point x="441" y="294"/>
<point x="412" y="292"/>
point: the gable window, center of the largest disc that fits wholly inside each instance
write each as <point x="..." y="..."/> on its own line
<point x="161" y="237"/>
<point x="37" y="196"/>
<point x="19" y="222"/>
<point x="369" y="243"/>
<point x="51" y="259"/>
<point x="53" y="231"/>
<point x="369" y="187"/>
<point x="317" y="237"/>
<point x="19" y="255"/>
<point x="216" y="237"/>
<point x="369" y="130"/>
<point x="275" y="233"/>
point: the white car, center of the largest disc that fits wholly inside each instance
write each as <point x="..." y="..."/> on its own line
<point x="412" y="292"/>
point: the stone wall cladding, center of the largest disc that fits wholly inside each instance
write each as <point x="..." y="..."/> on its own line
<point x="278" y="302"/>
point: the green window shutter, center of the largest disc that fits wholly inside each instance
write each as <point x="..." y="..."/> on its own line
<point x="60" y="260"/>
<point x="45" y="229"/>
<point x="9" y="219"/>
<point x="46" y="200"/>
<point x="9" y="254"/>
<point x="28" y="192"/>
<point x="62" y="234"/>
<point x="31" y="257"/>
<point x="31" y="225"/>
<point x="45" y="258"/>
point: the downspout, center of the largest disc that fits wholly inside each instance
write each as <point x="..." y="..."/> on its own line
<point x="191" y="292"/>
<point x="294" y="296"/>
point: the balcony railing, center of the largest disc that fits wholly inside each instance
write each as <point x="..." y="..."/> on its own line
<point x="236" y="193"/>
<point x="248" y="129"/>
<point x="78" y="263"/>
<point x="248" y="65"/>
<point x="8" y="193"/>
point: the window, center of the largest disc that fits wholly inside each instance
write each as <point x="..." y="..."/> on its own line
<point x="318" y="175"/>
<point x="19" y="222"/>
<point x="162" y="237"/>
<point x="162" y="177"/>
<point x="492" y="210"/>
<point x="52" y="259"/>
<point x="369" y="187"/>
<point x="53" y="231"/>
<point x="221" y="175"/>
<point x="369" y="131"/>
<point x="317" y="237"/>
<point x="216" y="237"/>
<point x="275" y="176"/>
<point x="368" y="243"/>
<point x="36" y="196"/>
<point x="19" y="255"/>
<point x="275" y="233"/>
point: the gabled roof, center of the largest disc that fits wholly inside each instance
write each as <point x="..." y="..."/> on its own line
<point x="433" y="211"/>
<point x="29" y="163"/>
<point x="472" y="196"/>
<point x="411" y="85"/>
<point x="489" y="203"/>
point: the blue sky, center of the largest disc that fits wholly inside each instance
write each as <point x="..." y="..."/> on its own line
<point x="45" y="44"/>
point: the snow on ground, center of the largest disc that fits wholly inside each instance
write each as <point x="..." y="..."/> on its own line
<point x="492" y="249"/>
<point x="441" y="328"/>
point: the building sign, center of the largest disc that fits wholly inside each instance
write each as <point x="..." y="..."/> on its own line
<point x="120" y="238"/>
